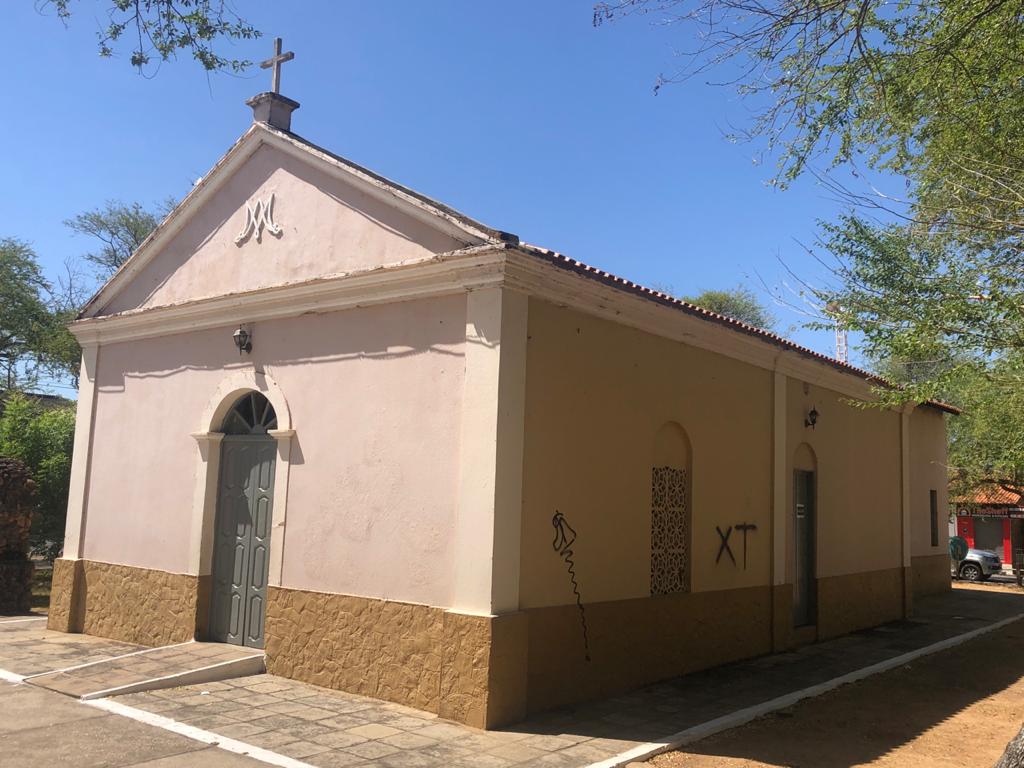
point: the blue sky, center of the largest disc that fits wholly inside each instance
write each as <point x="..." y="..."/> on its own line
<point x="521" y="115"/>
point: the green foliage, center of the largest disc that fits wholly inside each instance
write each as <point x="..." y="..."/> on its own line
<point x="159" y="29"/>
<point x="24" y="315"/>
<point x="928" y="90"/>
<point x="120" y="229"/>
<point x="943" y="323"/>
<point x="740" y="303"/>
<point x="43" y="439"/>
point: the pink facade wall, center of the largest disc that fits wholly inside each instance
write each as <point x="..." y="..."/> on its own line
<point x="375" y="397"/>
<point x="328" y="225"/>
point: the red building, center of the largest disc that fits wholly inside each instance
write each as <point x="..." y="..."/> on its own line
<point x="993" y="520"/>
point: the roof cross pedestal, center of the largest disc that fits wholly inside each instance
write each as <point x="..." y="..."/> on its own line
<point x="271" y="107"/>
<point x="275" y="62"/>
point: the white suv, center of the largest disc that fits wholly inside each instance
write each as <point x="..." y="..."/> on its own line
<point x="979" y="565"/>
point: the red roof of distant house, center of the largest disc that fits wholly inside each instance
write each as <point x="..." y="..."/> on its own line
<point x="994" y="496"/>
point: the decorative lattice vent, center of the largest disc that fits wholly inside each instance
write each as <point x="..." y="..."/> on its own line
<point x="669" y="534"/>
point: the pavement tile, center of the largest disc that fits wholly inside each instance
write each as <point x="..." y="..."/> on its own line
<point x="482" y="761"/>
<point x="301" y="749"/>
<point x="211" y="757"/>
<point x="277" y="722"/>
<point x="337" y="760"/>
<point x="239" y="730"/>
<point x="269" y="687"/>
<point x="409" y="741"/>
<point x="370" y="750"/>
<point x="337" y="739"/>
<point x="448" y="752"/>
<point x="410" y="760"/>
<point x="308" y="731"/>
<point x="441" y="731"/>
<point x="212" y="722"/>
<point x="548" y="743"/>
<point x="271" y="739"/>
<point x="403" y="722"/>
<point x="517" y="752"/>
<point x="313" y="713"/>
<point x="257" y="699"/>
<point x="373" y="731"/>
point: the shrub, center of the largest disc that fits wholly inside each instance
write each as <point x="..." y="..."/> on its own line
<point x="42" y="438"/>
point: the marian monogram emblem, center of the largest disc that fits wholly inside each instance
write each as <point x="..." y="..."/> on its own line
<point x="258" y="216"/>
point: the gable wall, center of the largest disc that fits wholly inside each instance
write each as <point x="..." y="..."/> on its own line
<point x="329" y="226"/>
<point x="375" y="397"/>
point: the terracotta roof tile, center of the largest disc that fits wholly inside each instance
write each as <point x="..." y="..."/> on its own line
<point x="994" y="496"/>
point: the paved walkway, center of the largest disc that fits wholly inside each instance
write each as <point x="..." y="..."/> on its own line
<point x="328" y="728"/>
<point x="27" y="647"/>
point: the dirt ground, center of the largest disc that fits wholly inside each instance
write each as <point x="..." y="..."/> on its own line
<point x="956" y="708"/>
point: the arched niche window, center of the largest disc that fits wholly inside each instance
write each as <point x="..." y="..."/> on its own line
<point x="671" y="477"/>
<point x="252" y="414"/>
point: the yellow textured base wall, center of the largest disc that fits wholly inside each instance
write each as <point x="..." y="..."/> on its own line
<point x="859" y="600"/>
<point x="136" y="605"/>
<point x="635" y="642"/>
<point x="931" y="574"/>
<point x="456" y="665"/>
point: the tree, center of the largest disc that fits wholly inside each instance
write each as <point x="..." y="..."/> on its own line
<point x="42" y="438"/>
<point x="939" y="326"/>
<point x="739" y="303"/>
<point x="1013" y="757"/>
<point x="926" y="92"/>
<point x="120" y="229"/>
<point x="24" y="316"/>
<point x="159" y="29"/>
<point x="929" y="91"/>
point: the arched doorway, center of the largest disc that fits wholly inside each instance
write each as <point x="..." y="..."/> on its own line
<point x="245" y="497"/>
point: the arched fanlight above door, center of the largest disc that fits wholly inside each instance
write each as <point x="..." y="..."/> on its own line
<point x="252" y="414"/>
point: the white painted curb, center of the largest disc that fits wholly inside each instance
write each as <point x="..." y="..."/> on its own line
<point x="10" y="677"/>
<point x="198" y="734"/>
<point x="744" y="716"/>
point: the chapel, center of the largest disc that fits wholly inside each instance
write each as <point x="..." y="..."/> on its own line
<point x="414" y="457"/>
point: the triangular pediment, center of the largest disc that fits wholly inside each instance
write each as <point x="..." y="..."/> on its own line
<point x="277" y="211"/>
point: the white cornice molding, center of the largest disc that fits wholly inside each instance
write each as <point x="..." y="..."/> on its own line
<point x="458" y="271"/>
<point x="465" y="270"/>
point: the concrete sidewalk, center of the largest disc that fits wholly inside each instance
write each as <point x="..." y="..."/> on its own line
<point x="305" y="725"/>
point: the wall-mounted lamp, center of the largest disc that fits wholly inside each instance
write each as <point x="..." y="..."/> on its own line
<point x="812" y="418"/>
<point x="242" y="340"/>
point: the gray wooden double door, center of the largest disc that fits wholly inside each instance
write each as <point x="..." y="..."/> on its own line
<point x="241" y="558"/>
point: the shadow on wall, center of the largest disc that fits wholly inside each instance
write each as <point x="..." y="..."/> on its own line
<point x="371" y="333"/>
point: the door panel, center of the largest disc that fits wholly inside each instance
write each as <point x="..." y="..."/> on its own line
<point x="241" y="550"/>
<point x="805" y="595"/>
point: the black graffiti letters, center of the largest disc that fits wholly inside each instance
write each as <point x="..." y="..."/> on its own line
<point x="723" y="545"/>
<point x="745" y="527"/>
<point x="565" y="535"/>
